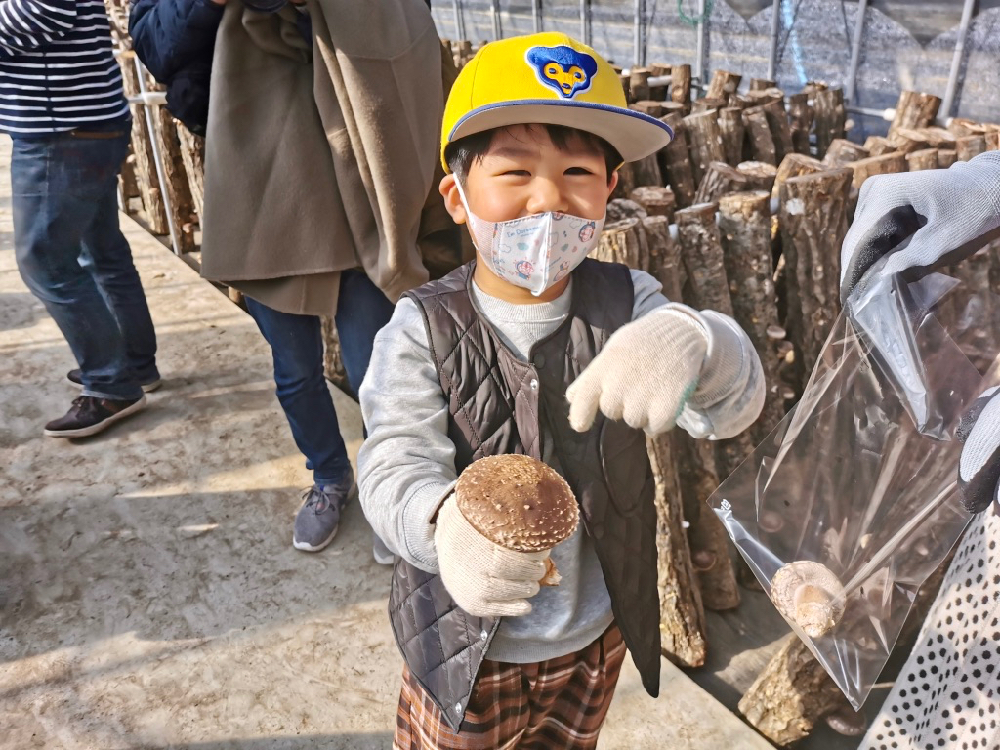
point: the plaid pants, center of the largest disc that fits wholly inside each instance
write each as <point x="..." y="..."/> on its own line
<point x="560" y="703"/>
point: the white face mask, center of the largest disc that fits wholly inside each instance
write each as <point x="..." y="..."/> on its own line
<point x="537" y="251"/>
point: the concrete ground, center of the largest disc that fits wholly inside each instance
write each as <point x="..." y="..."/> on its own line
<point x="149" y="593"/>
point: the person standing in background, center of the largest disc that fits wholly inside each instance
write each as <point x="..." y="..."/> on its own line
<point x="61" y="101"/>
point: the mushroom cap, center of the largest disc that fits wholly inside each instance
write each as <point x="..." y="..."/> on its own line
<point x="517" y="502"/>
<point x="810" y="595"/>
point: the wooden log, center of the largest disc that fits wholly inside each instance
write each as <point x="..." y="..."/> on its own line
<point x="658" y="201"/>
<point x="909" y="140"/>
<point x="671" y="107"/>
<point x="719" y="179"/>
<point x="876" y="165"/>
<point x="723" y="84"/>
<point x="970" y="146"/>
<point x="623" y="242"/>
<point x="915" y="110"/>
<point x="646" y="172"/>
<point x="993" y="140"/>
<point x="707" y="288"/>
<point x="758" y="134"/>
<point x="175" y="178"/>
<point x="665" y="262"/>
<point x="193" y="153"/>
<point x="800" y="113"/>
<point x="961" y="127"/>
<point x="796" y="165"/>
<point x="704" y="142"/>
<point x="127" y="180"/>
<point x="638" y="83"/>
<point x="675" y="162"/>
<point x="624" y="80"/>
<point x="731" y="128"/>
<point x="876" y="145"/>
<point x="926" y="158"/>
<point x="154" y="210"/>
<point x="649" y="107"/>
<point x="705" y="104"/>
<point x="842" y="152"/>
<point x="680" y="84"/>
<point x="946" y="157"/>
<point x="781" y="131"/>
<point x="682" y="615"/>
<point x="745" y="228"/>
<point x="621" y="209"/>
<point x="626" y="181"/>
<point x="813" y="224"/>
<point x="761" y="84"/>
<point x="937" y="137"/>
<point x="763" y="98"/>
<point x="760" y="175"/>
<point x="831" y="118"/>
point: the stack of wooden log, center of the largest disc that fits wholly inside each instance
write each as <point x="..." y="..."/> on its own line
<point x="699" y="216"/>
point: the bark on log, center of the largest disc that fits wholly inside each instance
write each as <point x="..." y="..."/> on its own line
<point x="796" y="165"/>
<point x="175" y="178"/>
<point x="993" y="140"/>
<point x="658" y="201"/>
<point x="745" y="227"/>
<point x="876" y="165"/>
<point x="682" y="616"/>
<point x="646" y="172"/>
<point x="649" y="107"/>
<point x="800" y="112"/>
<point x="761" y="84"/>
<point x="719" y="179"/>
<point x="731" y="127"/>
<point x="924" y="159"/>
<point x="876" y="145"/>
<point x="638" y="83"/>
<point x="675" y="162"/>
<point x="962" y="127"/>
<point x="127" y="180"/>
<point x="154" y="211"/>
<point x="723" y="84"/>
<point x="626" y="181"/>
<point x="842" y="152"/>
<point x="624" y="81"/>
<point x="707" y="288"/>
<point x="674" y="107"/>
<point x="915" y="110"/>
<point x="758" y="134"/>
<point x="781" y="131"/>
<point x="665" y="263"/>
<point x="760" y="175"/>
<point x="680" y="84"/>
<point x="813" y="222"/>
<point x="623" y="242"/>
<point x="937" y="137"/>
<point x="831" y="118"/>
<point x="620" y="209"/>
<point x="704" y="142"/>
<point x="705" y="104"/>
<point x="970" y="146"/>
<point x="946" y="157"/>
<point x="193" y="153"/>
<point x="909" y="140"/>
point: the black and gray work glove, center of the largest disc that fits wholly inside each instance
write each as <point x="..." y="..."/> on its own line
<point x="922" y="220"/>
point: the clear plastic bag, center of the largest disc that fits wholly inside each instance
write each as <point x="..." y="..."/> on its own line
<point x="860" y="477"/>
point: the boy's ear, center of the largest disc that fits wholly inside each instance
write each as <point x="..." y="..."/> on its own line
<point x="452" y="199"/>
<point x="613" y="182"/>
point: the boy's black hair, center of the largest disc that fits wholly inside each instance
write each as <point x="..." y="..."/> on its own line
<point x="462" y="153"/>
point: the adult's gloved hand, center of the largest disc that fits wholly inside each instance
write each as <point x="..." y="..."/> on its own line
<point x="979" y="468"/>
<point x="925" y="220"/>
<point x="484" y="579"/>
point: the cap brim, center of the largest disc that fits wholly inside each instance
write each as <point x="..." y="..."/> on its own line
<point x="634" y="135"/>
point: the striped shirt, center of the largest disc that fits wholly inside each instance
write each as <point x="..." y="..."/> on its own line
<point x="57" y="70"/>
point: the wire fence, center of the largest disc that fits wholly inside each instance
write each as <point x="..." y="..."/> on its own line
<point x="873" y="48"/>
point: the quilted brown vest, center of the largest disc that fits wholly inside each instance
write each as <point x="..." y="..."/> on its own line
<point x="499" y="404"/>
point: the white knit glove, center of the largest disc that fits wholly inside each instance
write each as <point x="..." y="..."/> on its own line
<point x="645" y="374"/>
<point x="484" y="579"/>
<point x="979" y="467"/>
<point x="937" y="216"/>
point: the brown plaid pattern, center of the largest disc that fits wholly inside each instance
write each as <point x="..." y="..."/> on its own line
<point x="560" y="703"/>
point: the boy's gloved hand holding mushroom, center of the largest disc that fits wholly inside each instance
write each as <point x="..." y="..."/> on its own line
<point x="496" y="531"/>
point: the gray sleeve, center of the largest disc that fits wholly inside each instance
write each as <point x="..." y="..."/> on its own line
<point x="406" y="465"/>
<point x="731" y="389"/>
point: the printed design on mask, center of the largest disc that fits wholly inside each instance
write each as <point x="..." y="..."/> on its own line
<point x="587" y="232"/>
<point x="562" y="68"/>
<point x="524" y="269"/>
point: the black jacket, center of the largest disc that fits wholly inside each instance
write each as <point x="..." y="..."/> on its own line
<point x="175" y="39"/>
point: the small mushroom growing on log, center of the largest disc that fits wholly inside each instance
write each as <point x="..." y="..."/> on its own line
<point x="520" y="504"/>
<point x="809" y="595"/>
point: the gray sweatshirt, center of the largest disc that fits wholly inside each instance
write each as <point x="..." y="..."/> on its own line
<point x="406" y="466"/>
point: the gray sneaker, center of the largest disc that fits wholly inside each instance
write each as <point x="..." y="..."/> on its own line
<point x="318" y="519"/>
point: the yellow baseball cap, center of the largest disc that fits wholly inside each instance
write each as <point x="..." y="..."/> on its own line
<point x="550" y="79"/>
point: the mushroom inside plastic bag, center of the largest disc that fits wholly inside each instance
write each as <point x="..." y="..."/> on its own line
<point x="851" y="502"/>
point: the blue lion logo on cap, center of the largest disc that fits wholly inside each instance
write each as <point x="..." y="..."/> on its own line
<point x="562" y="68"/>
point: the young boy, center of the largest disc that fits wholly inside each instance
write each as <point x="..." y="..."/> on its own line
<point x="534" y="349"/>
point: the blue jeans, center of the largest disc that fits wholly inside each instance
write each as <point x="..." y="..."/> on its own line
<point x="73" y="257"/>
<point x="297" y="350"/>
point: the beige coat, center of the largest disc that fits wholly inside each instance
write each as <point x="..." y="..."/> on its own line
<point x="321" y="159"/>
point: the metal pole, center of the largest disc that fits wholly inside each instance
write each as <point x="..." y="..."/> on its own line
<point x="497" y="27"/>
<point x="586" y="30"/>
<point x="859" y="29"/>
<point x="456" y="8"/>
<point x="640" y="32"/>
<point x="161" y="174"/>
<point x="956" y="61"/>
<point x="701" y="53"/>
<point x="772" y="64"/>
<point x="536" y="15"/>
